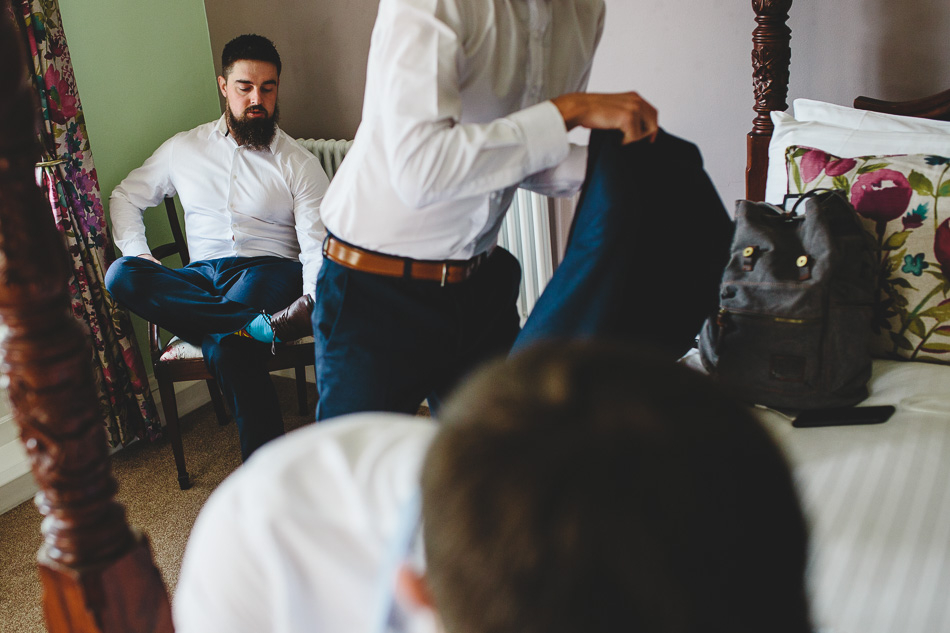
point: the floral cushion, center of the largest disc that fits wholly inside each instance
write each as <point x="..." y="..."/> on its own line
<point x="904" y="203"/>
<point x="178" y="349"/>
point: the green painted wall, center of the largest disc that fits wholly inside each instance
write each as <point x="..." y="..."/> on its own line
<point x="145" y="71"/>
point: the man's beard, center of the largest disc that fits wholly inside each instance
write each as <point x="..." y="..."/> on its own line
<point x="255" y="133"/>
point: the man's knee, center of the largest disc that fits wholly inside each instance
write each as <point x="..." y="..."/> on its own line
<point x="120" y="277"/>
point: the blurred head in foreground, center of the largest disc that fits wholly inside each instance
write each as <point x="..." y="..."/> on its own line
<point x="579" y="488"/>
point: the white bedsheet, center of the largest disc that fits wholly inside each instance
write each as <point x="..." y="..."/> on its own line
<point x="878" y="500"/>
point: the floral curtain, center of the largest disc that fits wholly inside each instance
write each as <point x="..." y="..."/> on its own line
<point x="69" y="177"/>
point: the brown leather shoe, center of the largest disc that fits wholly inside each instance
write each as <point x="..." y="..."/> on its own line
<point x="293" y="322"/>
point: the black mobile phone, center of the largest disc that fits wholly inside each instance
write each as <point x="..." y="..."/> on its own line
<point x="839" y="416"/>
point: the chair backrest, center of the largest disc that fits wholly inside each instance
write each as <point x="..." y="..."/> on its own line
<point x="178" y="246"/>
<point x="330" y="152"/>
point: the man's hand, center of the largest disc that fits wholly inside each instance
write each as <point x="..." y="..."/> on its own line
<point x="149" y="257"/>
<point x="626" y="111"/>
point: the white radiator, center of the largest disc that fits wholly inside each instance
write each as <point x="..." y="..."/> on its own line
<point x="527" y="233"/>
<point x="329" y="152"/>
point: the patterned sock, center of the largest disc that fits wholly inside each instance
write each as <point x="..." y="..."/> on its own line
<point x="259" y="329"/>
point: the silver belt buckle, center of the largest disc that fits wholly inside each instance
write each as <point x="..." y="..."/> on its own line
<point x="445" y="272"/>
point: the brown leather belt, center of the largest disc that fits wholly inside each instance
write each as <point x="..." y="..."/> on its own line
<point x="450" y="271"/>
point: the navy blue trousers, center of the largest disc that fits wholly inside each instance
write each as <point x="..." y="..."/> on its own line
<point x="203" y="303"/>
<point x="646" y="251"/>
<point x="385" y="343"/>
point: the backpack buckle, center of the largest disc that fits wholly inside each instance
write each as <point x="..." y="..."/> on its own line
<point x="749" y="255"/>
<point x="804" y="267"/>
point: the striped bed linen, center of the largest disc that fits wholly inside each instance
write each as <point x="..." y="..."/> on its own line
<point x="878" y="501"/>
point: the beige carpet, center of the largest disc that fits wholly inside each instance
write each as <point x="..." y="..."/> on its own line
<point x="149" y="490"/>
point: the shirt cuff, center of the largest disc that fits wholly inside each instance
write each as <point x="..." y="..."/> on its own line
<point x="133" y="248"/>
<point x="310" y="271"/>
<point x="545" y="135"/>
<point x="564" y="179"/>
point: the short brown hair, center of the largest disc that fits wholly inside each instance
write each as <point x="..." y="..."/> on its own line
<point x="580" y="488"/>
<point x="249" y="47"/>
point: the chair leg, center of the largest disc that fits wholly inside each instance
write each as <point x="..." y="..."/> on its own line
<point x="217" y="402"/>
<point x="166" y="389"/>
<point x="300" y="371"/>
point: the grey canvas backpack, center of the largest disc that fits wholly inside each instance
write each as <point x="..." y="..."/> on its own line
<point x="794" y="321"/>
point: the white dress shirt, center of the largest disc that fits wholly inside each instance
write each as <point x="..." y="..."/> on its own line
<point x="455" y="115"/>
<point x="238" y="202"/>
<point x="294" y="540"/>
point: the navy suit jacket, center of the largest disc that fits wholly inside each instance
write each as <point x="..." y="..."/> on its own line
<point x="646" y="251"/>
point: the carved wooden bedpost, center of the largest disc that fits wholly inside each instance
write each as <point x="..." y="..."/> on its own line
<point x="97" y="573"/>
<point x="771" y="56"/>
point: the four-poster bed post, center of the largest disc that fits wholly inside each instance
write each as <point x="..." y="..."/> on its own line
<point x="771" y="56"/>
<point x="97" y="573"/>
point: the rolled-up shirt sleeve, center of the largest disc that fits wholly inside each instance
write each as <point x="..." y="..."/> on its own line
<point x="144" y="187"/>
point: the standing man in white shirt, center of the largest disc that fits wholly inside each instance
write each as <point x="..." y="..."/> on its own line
<point x="251" y="197"/>
<point x="464" y="102"/>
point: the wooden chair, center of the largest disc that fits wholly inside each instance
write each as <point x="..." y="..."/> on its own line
<point x="176" y="361"/>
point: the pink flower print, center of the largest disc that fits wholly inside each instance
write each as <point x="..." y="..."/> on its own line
<point x="840" y="166"/>
<point x="134" y="362"/>
<point x="813" y="163"/>
<point x="128" y="355"/>
<point x="942" y="246"/>
<point x="881" y="195"/>
<point x="62" y="103"/>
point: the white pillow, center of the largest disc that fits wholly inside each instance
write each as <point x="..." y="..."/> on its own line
<point x="842" y="142"/>
<point x="842" y="116"/>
